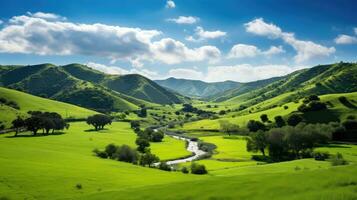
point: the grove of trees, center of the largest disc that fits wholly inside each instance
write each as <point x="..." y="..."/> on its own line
<point x="99" y="121"/>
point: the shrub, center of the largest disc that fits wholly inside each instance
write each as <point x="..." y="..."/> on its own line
<point x="286" y="107"/>
<point x="100" y="154"/>
<point x="148" y="159"/>
<point x="110" y="149"/>
<point x="279" y="121"/>
<point x="198" y="169"/>
<point x="338" y="160"/>
<point x="254" y="126"/>
<point x="157" y="136"/>
<point x="321" y="156"/>
<point x="79" y="186"/>
<point x="142" y="144"/>
<point x="184" y="170"/>
<point x="294" y="119"/>
<point x="164" y="166"/>
<point x="126" y="154"/>
<point x="264" y="118"/>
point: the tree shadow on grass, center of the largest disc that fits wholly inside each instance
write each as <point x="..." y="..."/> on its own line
<point x="347" y="103"/>
<point x="93" y="130"/>
<point x="37" y="135"/>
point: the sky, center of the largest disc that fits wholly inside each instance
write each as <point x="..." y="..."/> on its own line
<point x="206" y="40"/>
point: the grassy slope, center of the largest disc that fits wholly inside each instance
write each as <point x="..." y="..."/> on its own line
<point x="29" y="102"/>
<point x="45" y="166"/>
<point x="338" y="111"/>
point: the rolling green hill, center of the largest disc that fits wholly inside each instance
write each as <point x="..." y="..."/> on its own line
<point x="83" y="86"/>
<point x="196" y="88"/>
<point x="28" y="102"/>
<point x="322" y="79"/>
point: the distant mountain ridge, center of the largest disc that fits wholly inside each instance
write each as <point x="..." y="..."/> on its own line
<point x="86" y="87"/>
<point x="197" y="88"/>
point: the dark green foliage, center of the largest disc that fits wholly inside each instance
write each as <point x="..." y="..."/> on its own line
<point x="222" y="112"/>
<point x="135" y="124"/>
<point x="164" y="166"/>
<point x="99" y="121"/>
<point x="279" y="121"/>
<point x="312" y="106"/>
<point x="110" y="149"/>
<point x="92" y="98"/>
<point x="100" y="154"/>
<point x="257" y="142"/>
<point x="142" y="112"/>
<point x="184" y="170"/>
<point x="254" y="126"/>
<point x="157" y="136"/>
<point x="142" y="143"/>
<point x="294" y="119"/>
<point x="38" y="120"/>
<point x="12" y="104"/>
<point x="126" y="154"/>
<point x="151" y="135"/>
<point x="264" y="118"/>
<point x="198" y="169"/>
<point x="79" y="186"/>
<point x="148" y="159"/>
<point x="338" y="160"/>
<point x="2" y="126"/>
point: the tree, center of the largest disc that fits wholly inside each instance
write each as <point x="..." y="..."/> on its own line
<point x="198" y="169"/>
<point x="228" y="127"/>
<point x="99" y="121"/>
<point x="2" y="126"/>
<point x="142" y="112"/>
<point x="126" y="154"/>
<point x="148" y="159"/>
<point x="142" y="144"/>
<point x="294" y="119"/>
<point x="17" y="124"/>
<point x="264" y="118"/>
<point x="34" y="123"/>
<point x="157" y="136"/>
<point x="110" y="149"/>
<point x="254" y="126"/>
<point x="257" y="142"/>
<point x="279" y="121"/>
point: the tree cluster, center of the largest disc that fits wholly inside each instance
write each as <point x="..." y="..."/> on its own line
<point x="47" y="121"/>
<point x="312" y="103"/>
<point x="290" y="142"/>
<point x="125" y="153"/>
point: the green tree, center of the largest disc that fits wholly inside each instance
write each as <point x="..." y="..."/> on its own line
<point x="148" y="159"/>
<point x="17" y="124"/>
<point x="142" y="144"/>
<point x="254" y="126"/>
<point x="257" y="142"/>
<point x="294" y="119"/>
<point x="279" y="121"/>
<point x="99" y="121"/>
<point x="264" y="118"/>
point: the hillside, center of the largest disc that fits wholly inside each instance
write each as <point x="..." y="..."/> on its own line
<point x="322" y="79"/>
<point x="197" y="88"/>
<point x="28" y="102"/>
<point x="83" y="86"/>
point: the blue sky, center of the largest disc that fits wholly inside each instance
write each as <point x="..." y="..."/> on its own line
<point x="198" y="39"/>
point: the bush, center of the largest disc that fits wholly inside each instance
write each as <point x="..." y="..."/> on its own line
<point x="321" y="156"/>
<point x="110" y="149"/>
<point x="126" y="154"/>
<point x="254" y="126"/>
<point x="264" y="118"/>
<point x="286" y="107"/>
<point x="184" y="170"/>
<point x="294" y="119"/>
<point x="198" y="169"/>
<point x="338" y="160"/>
<point x="164" y="166"/>
<point x="100" y="154"/>
<point x="148" y="159"/>
<point x="79" y="186"/>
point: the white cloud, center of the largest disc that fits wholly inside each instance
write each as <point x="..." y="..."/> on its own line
<point x="47" y="16"/>
<point x="247" y="72"/>
<point x="35" y="34"/>
<point x="170" y="4"/>
<point x="171" y="51"/>
<point x="345" y="39"/>
<point x="306" y="50"/>
<point x="201" y="34"/>
<point x="259" y="27"/>
<point x="1" y="22"/>
<point x="186" y="74"/>
<point x="114" y="70"/>
<point x="246" y="51"/>
<point x="184" y="20"/>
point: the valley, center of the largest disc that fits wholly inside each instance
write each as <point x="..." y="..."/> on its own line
<point x="219" y="133"/>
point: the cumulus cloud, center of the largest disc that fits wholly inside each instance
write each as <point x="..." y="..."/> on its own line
<point x="247" y="72"/>
<point x="170" y="4"/>
<point x="345" y="39"/>
<point x="48" y="16"/>
<point x="246" y="51"/>
<point x="184" y="20"/>
<point x="115" y="70"/>
<point x="36" y="34"/>
<point x="171" y="51"/>
<point x="306" y="50"/>
<point x="201" y="34"/>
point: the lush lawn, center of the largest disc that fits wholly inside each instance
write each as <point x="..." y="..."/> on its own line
<point x="29" y="102"/>
<point x="49" y="167"/>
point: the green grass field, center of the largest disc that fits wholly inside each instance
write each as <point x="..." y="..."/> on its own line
<point x="29" y="102"/>
<point x="337" y="111"/>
